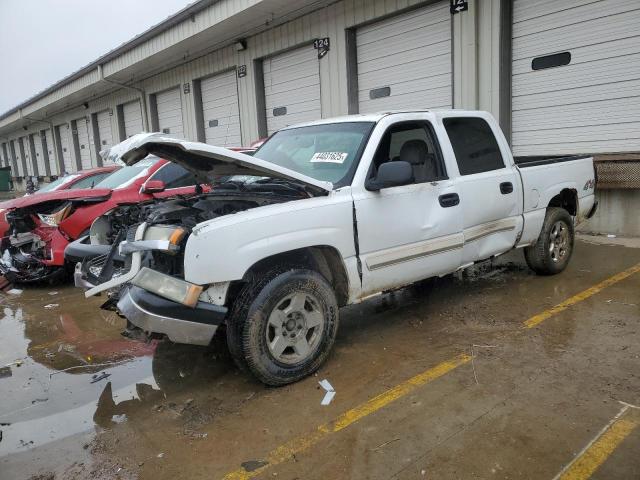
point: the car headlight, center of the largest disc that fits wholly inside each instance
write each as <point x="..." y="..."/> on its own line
<point x="54" y="219"/>
<point x="172" y="235"/>
<point x="158" y="237"/>
<point x="168" y="287"/>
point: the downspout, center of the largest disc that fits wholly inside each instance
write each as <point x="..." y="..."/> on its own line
<point x="53" y="138"/>
<point x="143" y="96"/>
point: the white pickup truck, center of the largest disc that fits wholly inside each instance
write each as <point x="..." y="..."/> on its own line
<point x="324" y="215"/>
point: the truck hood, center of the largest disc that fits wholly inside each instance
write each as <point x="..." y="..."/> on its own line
<point x="86" y="193"/>
<point x="208" y="162"/>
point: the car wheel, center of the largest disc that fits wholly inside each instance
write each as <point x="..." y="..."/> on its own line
<point x="552" y="251"/>
<point x="286" y="327"/>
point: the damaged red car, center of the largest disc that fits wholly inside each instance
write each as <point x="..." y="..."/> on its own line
<point x="41" y="228"/>
<point x="75" y="181"/>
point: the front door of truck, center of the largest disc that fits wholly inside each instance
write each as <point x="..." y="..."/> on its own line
<point x="407" y="233"/>
<point x="490" y="190"/>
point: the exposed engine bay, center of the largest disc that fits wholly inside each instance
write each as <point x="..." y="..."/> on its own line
<point x="26" y="254"/>
<point x="178" y="217"/>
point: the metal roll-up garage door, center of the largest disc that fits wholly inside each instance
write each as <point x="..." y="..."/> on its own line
<point x="65" y="147"/>
<point x="575" y="77"/>
<point x="15" y="155"/>
<point x="5" y="155"/>
<point x="82" y="131"/>
<point x="105" y="133"/>
<point x="53" y="164"/>
<point x="132" y="116"/>
<point x="169" y="108"/>
<point x="221" y="111"/>
<point x="25" y="153"/>
<point x="40" y="158"/>
<point x="292" y="88"/>
<point x="404" y="62"/>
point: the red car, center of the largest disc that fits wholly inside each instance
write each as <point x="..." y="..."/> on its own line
<point x="74" y="181"/>
<point x="41" y="229"/>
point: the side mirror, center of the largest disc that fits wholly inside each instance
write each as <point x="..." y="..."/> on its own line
<point x="391" y="174"/>
<point x="153" y="186"/>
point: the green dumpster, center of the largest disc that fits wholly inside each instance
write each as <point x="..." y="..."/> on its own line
<point x="5" y="179"/>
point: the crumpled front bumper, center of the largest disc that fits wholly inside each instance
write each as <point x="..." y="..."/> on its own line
<point x="154" y="314"/>
<point x="105" y="280"/>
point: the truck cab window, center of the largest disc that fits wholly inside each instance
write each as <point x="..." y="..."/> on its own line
<point x="174" y="176"/>
<point x="411" y="142"/>
<point x="474" y="145"/>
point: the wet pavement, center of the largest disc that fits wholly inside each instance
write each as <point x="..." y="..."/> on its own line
<point x="77" y="400"/>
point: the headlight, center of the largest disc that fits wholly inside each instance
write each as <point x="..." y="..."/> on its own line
<point x="157" y="237"/>
<point x="168" y="287"/>
<point x="173" y="235"/>
<point x="53" y="219"/>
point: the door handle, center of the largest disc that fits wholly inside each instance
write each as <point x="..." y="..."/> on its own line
<point x="449" y="200"/>
<point x="506" y="188"/>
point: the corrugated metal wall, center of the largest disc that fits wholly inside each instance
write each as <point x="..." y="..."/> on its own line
<point x="475" y="68"/>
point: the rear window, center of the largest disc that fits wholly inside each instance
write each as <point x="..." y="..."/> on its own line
<point x="58" y="184"/>
<point x="127" y="175"/>
<point x="90" y="181"/>
<point x="474" y="145"/>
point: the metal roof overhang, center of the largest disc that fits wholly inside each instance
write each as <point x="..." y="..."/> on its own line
<point x="260" y="16"/>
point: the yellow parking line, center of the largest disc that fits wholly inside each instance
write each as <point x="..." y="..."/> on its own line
<point x="541" y="317"/>
<point x="601" y="447"/>
<point x="293" y="447"/>
<point x="300" y="444"/>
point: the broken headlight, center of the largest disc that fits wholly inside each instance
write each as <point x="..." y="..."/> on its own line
<point x="173" y="235"/>
<point x="156" y="237"/>
<point x="53" y="219"/>
<point x="168" y="287"/>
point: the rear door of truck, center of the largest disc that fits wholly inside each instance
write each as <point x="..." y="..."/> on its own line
<point x="490" y="186"/>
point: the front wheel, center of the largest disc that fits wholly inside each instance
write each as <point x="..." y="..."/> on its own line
<point x="552" y="251"/>
<point x="287" y="327"/>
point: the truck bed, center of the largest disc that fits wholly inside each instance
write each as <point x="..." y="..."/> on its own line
<point x="524" y="162"/>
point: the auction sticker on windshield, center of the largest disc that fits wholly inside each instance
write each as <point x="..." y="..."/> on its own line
<point x="329" y="157"/>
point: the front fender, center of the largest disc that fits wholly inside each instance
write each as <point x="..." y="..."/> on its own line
<point x="223" y="249"/>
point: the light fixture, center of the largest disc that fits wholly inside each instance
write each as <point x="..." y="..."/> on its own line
<point x="240" y="45"/>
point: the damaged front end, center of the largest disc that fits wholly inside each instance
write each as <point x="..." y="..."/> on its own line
<point x="34" y="249"/>
<point x="140" y="265"/>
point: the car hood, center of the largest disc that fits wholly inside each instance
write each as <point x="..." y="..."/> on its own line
<point x="208" y="162"/>
<point x="81" y="193"/>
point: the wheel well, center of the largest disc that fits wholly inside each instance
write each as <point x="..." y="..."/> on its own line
<point x="567" y="199"/>
<point x="323" y="259"/>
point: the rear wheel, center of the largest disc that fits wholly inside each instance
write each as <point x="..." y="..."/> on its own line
<point x="286" y="326"/>
<point x="552" y="251"/>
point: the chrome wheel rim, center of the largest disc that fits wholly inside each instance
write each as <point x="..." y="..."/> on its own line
<point x="559" y="241"/>
<point x="294" y="328"/>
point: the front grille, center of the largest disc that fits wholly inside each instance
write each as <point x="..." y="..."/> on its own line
<point x="93" y="267"/>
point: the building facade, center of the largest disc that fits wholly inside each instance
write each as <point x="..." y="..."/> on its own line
<point x="562" y="78"/>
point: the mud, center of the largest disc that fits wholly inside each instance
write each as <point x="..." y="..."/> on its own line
<point x="79" y="401"/>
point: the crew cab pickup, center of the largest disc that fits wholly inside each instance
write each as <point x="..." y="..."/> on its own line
<point x="326" y="214"/>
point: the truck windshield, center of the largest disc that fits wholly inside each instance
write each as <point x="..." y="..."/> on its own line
<point x="328" y="152"/>
<point x="125" y="176"/>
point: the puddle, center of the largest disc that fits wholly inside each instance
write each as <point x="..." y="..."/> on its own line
<point x="68" y="370"/>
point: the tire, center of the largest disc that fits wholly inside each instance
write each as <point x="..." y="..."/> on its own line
<point x="553" y="249"/>
<point x="284" y="325"/>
